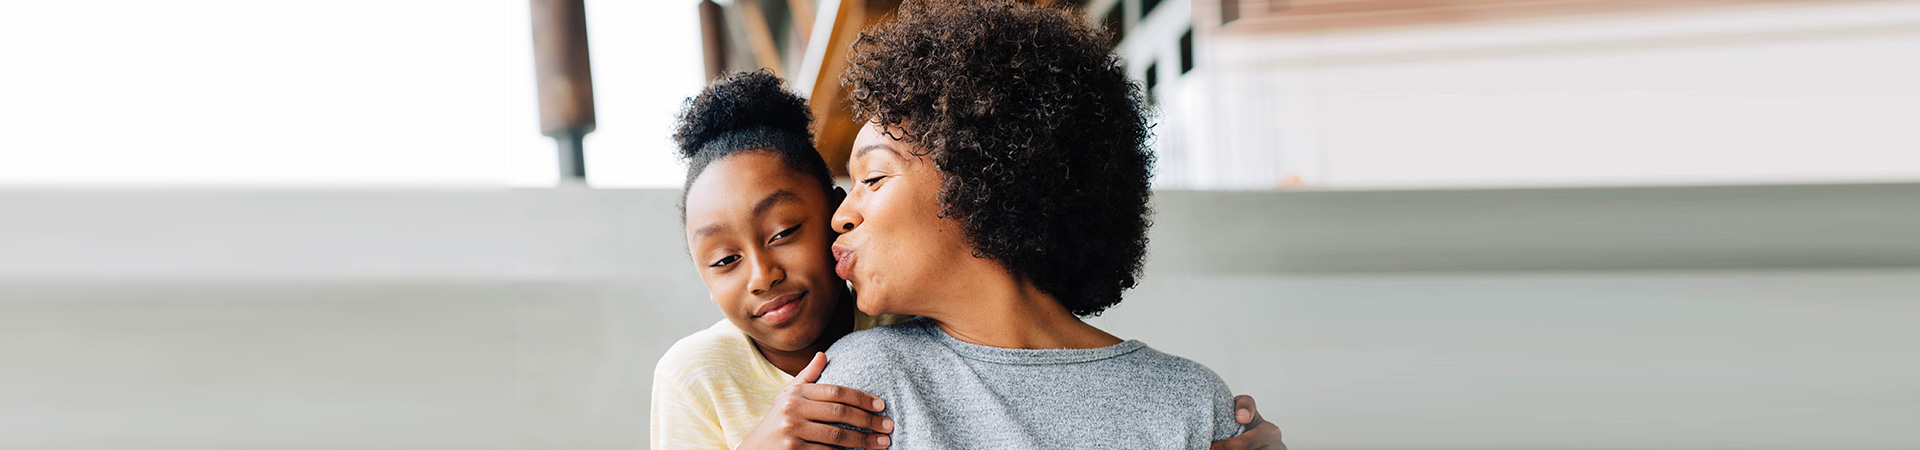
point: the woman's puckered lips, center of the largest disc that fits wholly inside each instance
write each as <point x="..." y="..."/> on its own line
<point x="843" y="261"/>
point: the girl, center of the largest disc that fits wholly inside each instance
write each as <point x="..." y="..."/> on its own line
<point x="756" y="205"/>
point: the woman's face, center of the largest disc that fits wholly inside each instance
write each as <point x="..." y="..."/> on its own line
<point x="758" y="233"/>
<point x="894" y="246"/>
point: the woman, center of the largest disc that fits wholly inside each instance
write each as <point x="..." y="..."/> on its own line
<point x="1001" y="190"/>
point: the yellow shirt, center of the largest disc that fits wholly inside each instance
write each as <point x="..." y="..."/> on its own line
<point x="713" y="387"/>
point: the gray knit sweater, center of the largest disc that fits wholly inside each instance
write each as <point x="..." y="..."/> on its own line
<point x="944" y="393"/>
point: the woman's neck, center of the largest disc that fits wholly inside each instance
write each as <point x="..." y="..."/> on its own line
<point x="792" y="362"/>
<point x="1008" y="313"/>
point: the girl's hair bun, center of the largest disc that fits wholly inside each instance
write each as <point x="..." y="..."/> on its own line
<point x="740" y="102"/>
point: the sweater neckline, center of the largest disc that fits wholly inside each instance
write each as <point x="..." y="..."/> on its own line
<point x="1024" y="356"/>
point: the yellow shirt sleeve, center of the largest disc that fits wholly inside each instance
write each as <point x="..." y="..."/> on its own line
<point x="682" y="416"/>
<point x="710" y="390"/>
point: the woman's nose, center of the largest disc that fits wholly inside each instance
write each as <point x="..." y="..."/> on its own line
<point x="846" y="218"/>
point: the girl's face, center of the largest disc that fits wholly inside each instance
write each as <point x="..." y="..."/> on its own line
<point x="759" y="235"/>
<point x="894" y="246"/>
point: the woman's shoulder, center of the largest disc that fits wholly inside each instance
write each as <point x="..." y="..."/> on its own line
<point x="1185" y="372"/>
<point x="1184" y="380"/>
<point x="877" y="353"/>
<point x="905" y="335"/>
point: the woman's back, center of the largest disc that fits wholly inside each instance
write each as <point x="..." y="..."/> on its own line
<point x="946" y="393"/>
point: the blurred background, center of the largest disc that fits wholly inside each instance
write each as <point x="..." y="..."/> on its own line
<point x="1456" y="224"/>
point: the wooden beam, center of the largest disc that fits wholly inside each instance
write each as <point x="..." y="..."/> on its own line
<point x="833" y="120"/>
<point x="833" y="128"/>
<point x="802" y="11"/>
<point x="1257" y="17"/>
<point x="760" y="35"/>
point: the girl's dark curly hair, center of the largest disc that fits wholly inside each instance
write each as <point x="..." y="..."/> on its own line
<point x="747" y="111"/>
<point x="1037" y="131"/>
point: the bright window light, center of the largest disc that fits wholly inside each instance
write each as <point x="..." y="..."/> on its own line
<point x="334" y="93"/>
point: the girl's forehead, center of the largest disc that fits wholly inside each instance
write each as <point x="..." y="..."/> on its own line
<point x="746" y="185"/>
<point x="751" y="169"/>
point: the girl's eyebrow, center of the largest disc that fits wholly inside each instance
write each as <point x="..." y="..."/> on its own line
<point x="776" y="198"/>
<point x="709" y="229"/>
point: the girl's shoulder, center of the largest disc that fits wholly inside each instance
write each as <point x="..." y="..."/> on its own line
<point x="718" y="352"/>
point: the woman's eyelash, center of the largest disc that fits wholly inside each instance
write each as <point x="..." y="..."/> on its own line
<point x="725" y="261"/>
<point x="870" y="181"/>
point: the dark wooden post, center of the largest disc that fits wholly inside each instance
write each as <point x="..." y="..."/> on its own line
<point x="713" y="37"/>
<point x="565" y="79"/>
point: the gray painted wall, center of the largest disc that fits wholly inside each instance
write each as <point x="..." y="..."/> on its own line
<point x="1704" y="317"/>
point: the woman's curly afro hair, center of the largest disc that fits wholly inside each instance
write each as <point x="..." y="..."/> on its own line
<point x="1037" y="131"/>
<point x="747" y="111"/>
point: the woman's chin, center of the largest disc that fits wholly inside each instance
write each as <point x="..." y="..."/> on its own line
<point x="871" y="308"/>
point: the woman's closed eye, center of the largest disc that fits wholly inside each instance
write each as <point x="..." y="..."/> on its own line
<point x="871" y="182"/>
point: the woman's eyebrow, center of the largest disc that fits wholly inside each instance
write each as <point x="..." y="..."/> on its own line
<point x="776" y="198"/>
<point x="871" y="147"/>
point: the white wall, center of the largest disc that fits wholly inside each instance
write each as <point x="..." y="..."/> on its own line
<point x="1805" y="93"/>
<point x="1748" y="317"/>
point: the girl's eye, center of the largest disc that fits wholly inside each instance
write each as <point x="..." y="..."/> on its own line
<point x="784" y="233"/>
<point x="730" y="259"/>
<point x="871" y="181"/>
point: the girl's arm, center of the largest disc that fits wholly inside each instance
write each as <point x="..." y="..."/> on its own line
<point x="803" y="413"/>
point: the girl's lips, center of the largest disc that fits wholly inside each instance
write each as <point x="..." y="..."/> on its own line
<point x="843" y="262"/>
<point x="781" y="310"/>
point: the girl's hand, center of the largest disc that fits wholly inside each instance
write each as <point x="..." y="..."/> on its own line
<point x="803" y="413"/>
<point x="1260" y="433"/>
